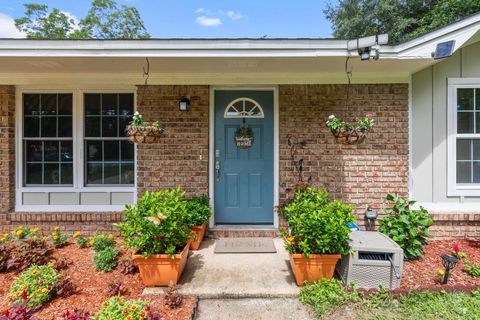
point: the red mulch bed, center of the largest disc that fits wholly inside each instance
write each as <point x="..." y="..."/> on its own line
<point x="92" y="288"/>
<point x="422" y="272"/>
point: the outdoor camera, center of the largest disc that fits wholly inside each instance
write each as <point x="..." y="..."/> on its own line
<point x="368" y="47"/>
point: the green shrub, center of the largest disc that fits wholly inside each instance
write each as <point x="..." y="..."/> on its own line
<point x="327" y="295"/>
<point x="198" y="211"/>
<point x="82" y="242"/>
<point x="407" y="227"/>
<point x="36" y="285"/>
<point x="119" y="309"/>
<point x="102" y="241"/>
<point x="58" y="238"/>
<point x="317" y="225"/>
<point x="106" y="260"/>
<point x="472" y="269"/>
<point x="157" y="224"/>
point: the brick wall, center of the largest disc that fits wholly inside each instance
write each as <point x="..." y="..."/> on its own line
<point x="358" y="174"/>
<point x="7" y="151"/>
<point x="181" y="157"/>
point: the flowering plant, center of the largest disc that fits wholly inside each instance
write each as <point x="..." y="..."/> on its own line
<point x="35" y="286"/>
<point x="457" y="253"/>
<point x="334" y="123"/>
<point x="101" y="241"/>
<point x="121" y="309"/>
<point x="58" y="238"/>
<point x="138" y="121"/>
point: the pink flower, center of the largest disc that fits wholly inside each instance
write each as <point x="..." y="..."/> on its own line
<point x="456" y="248"/>
<point x="369" y="115"/>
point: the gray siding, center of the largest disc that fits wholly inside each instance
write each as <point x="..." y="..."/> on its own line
<point x="429" y="124"/>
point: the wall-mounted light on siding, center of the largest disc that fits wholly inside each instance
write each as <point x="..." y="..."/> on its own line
<point x="184" y="104"/>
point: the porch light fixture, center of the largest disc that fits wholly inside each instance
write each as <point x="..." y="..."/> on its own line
<point x="449" y="262"/>
<point x="368" y="47"/>
<point x="184" y="104"/>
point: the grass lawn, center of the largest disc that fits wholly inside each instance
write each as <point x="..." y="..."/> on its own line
<point x="331" y="301"/>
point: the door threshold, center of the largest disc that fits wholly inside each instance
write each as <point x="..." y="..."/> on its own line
<point x="244" y="227"/>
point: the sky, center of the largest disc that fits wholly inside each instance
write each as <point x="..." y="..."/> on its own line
<point x="201" y="18"/>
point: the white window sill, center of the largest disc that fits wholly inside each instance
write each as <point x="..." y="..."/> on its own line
<point x="70" y="208"/>
<point x="447" y="207"/>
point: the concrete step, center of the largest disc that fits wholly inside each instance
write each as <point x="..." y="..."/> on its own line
<point x="253" y="309"/>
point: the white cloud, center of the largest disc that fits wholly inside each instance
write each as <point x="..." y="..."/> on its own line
<point x="234" y="15"/>
<point x="208" y="22"/>
<point x="8" y="29"/>
<point x="70" y="16"/>
<point x="203" y="10"/>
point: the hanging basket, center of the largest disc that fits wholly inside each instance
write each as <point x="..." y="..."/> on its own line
<point x="244" y="142"/>
<point x="349" y="136"/>
<point x="144" y="134"/>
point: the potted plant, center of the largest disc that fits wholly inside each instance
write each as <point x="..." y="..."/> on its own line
<point x="318" y="234"/>
<point x="199" y="212"/>
<point x="141" y="131"/>
<point x="244" y="137"/>
<point x="347" y="133"/>
<point x="157" y="232"/>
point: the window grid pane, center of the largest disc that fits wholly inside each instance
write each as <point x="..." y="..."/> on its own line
<point x="109" y="156"/>
<point x="47" y="161"/>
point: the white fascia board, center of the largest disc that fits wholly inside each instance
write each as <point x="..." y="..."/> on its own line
<point x="419" y="48"/>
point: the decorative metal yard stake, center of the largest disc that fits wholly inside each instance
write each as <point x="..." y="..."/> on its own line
<point x="449" y="262"/>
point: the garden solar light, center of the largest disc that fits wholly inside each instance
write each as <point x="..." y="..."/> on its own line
<point x="449" y="262"/>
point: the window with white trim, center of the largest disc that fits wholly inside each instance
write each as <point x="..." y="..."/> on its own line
<point x="109" y="156"/>
<point x="244" y="108"/>
<point x="59" y="127"/>
<point x="464" y="140"/>
<point x="47" y="139"/>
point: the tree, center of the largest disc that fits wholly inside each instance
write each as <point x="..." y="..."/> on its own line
<point x="401" y="19"/>
<point x="105" y="20"/>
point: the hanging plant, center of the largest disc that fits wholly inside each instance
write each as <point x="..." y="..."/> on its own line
<point x="244" y="137"/>
<point x="141" y="131"/>
<point x="348" y="133"/>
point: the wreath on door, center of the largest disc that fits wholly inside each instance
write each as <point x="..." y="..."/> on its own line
<point x="244" y="137"/>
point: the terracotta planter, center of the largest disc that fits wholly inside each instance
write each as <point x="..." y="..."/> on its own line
<point x="161" y="269"/>
<point x="313" y="268"/>
<point x="200" y="233"/>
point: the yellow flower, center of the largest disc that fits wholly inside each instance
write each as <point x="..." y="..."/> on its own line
<point x="91" y="242"/>
<point x="441" y="272"/>
<point x="6" y="235"/>
<point x="20" y="227"/>
<point x="57" y="228"/>
<point x="34" y="230"/>
<point x="44" y="290"/>
<point x="1" y="239"/>
<point x="34" y="237"/>
<point x="110" y="236"/>
<point x="19" y="233"/>
<point x="76" y="234"/>
<point x="54" y="236"/>
<point x="101" y="236"/>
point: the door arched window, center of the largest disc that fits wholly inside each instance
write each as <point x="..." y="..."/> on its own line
<point x="244" y="108"/>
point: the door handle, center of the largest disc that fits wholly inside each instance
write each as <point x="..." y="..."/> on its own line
<point x="217" y="170"/>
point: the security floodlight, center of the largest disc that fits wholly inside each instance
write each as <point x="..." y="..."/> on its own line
<point x="368" y="46"/>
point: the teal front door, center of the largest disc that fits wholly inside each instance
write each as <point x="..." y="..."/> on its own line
<point x="243" y="177"/>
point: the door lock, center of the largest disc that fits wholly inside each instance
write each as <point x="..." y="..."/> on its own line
<point x="217" y="170"/>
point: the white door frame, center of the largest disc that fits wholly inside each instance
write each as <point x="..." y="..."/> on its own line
<point x="276" y="154"/>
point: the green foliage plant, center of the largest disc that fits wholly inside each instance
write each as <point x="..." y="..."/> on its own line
<point x="473" y="269"/>
<point x="119" y="309"/>
<point x="317" y="225"/>
<point x="82" y="242"/>
<point x="407" y="227"/>
<point x="334" y="123"/>
<point x="157" y="224"/>
<point x="198" y="211"/>
<point x="58" y="238"/>
<point x="106" y="259"/>
<point x="35" y="286"/>
<point x="326" y="295"/>
<point x="102" y="241"/>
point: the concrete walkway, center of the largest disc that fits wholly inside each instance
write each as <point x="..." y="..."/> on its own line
<point x="253" y="309"/>
<point x="241" y="286"/>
